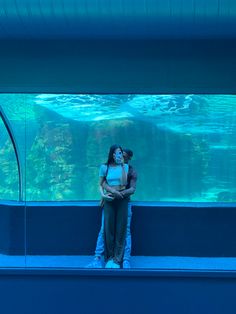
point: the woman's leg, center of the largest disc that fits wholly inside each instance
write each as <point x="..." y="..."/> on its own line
<point x="109" y="229"/>
<point x="121" y="227"/>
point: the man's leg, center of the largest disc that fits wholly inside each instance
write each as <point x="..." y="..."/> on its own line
<point x="128" y="240"/>
<point x="99" y="251"/>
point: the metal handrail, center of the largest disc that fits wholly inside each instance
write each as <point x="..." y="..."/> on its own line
<point x="11" y="134"/>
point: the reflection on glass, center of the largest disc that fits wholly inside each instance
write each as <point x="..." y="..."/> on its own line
<point x="9" y="179"/>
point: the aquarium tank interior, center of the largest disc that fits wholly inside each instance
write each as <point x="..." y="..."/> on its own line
<point x="184" y="145"/>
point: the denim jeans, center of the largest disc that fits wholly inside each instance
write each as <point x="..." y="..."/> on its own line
<point x="99" y="251"/>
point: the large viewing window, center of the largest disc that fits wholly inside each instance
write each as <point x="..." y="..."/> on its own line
<point x="184" y="145"/>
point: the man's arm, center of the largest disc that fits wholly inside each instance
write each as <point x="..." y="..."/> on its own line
<point x="109" y="189"/>
<point x="131" y="190"/>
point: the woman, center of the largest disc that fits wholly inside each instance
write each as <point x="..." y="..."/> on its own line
<point x="114" y="172"/>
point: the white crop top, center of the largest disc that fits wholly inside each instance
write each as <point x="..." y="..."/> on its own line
<point x="114" y="173"/>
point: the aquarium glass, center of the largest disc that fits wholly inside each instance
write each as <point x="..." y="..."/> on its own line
<point x="184" y="145"/>
<point x="184" y="150"/>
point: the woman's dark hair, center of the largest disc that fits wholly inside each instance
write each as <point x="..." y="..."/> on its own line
<point x="110" y="158"/>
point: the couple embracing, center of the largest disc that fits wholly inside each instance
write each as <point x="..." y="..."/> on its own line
<point x="117" y="181"/>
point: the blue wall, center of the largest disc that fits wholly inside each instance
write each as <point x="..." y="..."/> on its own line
<point x="160" y="229"/>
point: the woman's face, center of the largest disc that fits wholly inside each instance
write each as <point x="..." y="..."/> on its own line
<point x="118" y="156"/>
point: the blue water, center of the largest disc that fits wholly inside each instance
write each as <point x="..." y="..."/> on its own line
<point x="184" y="145"/>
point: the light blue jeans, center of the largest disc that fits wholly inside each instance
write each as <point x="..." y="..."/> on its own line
<point x="99" y="251"/>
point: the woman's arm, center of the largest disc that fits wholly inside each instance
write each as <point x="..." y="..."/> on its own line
<point x="101" y="190"/>
<point x="101" y="180"/>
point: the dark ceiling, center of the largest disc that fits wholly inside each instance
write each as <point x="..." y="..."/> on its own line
<point x="118" y="46"/>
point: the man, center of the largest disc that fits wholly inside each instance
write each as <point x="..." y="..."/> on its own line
<point x="129" y="190"/>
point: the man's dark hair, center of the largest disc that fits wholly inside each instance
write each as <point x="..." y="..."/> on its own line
<point x="128" y="152"/>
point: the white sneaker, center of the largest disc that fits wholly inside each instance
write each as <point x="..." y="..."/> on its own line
<point x="115" y="265"/>
<point x="109" y="264"/>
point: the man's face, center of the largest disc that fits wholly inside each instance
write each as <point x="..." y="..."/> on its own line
<point x="126" y="157"/>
